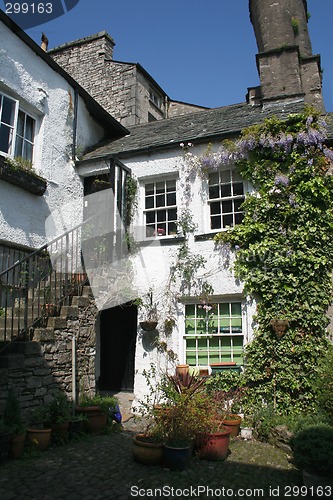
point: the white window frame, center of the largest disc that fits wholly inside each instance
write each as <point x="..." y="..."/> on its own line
<point x="207" y="336"/>
<point x="220" y="199"/>
<point x="157" y="209"/>
<point x="14" y="128"/>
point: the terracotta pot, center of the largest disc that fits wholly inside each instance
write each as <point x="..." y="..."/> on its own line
<point x="145" y="451"/>
<point x="16" y="446"/>
<point x="214" y="446"/>
<point x="39" y="438"/>
<point x="233" y="422"/>
<point x="96" y="422"/>
<point x="182" y="370"/>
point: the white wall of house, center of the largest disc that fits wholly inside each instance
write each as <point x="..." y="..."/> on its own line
<point x="152" y="263"/>
<point x="49" y="99"/>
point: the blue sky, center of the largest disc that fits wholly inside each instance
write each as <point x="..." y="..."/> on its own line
<point x="198" y="51"/>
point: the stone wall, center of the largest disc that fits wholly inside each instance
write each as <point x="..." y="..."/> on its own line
<point x="38" y="369"/>
<point x="121" y="88"/>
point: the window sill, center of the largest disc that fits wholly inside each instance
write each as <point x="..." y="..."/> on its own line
<point x="162" y="241"/>
<point x="23" y="179"/>
<point x="206" y="236"/>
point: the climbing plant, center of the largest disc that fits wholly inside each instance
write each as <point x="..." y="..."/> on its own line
<point x="284" y="252"/>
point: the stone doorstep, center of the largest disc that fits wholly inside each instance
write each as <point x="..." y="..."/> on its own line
<point x="44" y="334"/>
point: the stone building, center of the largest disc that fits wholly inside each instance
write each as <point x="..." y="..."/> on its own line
<point x="113" y="350"/>
<point x="124" y="89"/>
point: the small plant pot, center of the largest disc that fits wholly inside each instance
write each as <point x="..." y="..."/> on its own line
<point x="39" y="438"/>
<point x="145" y="451"/>
<point x="214" y="446"/>
<point x="176" y="458"/>
<point x="246" y="433"/>
<point x="233" y="422"/>
<point x="96" y="423"/>
<point x="16" y="447"/>
<point x="60" y="431"/>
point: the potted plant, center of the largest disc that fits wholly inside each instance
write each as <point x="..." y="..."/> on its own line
<point x="313" y="454"/>
<point x="147" y="447"/>
<point x="97" y="410"/>
<point x="150" y="320"/>
<point x="58" y="415"/>
<point x="13" y="419"/>
<point x="4" y="440"/>
<point x="246" y="428"/>
<point x="38" y="432"/>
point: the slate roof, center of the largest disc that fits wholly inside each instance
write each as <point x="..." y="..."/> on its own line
<point x="201" y="126"/>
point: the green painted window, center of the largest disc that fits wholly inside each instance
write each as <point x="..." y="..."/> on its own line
<point x="214" y="334"/>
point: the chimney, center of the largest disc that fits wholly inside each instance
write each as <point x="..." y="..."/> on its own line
<point x="287" y="68"/>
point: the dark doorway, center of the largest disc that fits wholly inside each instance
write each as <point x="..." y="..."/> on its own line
<point x="118" y="328"/>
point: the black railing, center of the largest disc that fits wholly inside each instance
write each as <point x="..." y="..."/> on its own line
<point x="36" y="286"/>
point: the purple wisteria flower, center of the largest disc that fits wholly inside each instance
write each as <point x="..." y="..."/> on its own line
<point x="281" y="179"/>
<point x="328" y="153"/>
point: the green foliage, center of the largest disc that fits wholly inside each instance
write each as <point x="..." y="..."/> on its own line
<point x="284" y="255"/>
<point x="12" y="414"/>
<point x="313" y="449"/>
<point x="295" y="25"/>
<point x="58" y="409"/>
<point x="324" y="383"/>
<point x="131" y="190"/>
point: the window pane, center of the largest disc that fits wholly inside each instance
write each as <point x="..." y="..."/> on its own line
<point x="171" y="199"/>
<point x="172" y="214"/>
<point x="8" y="111"/>
<point x="225" y="176"/>
<point x="20" y="123"/>
<point x="225" y="190"/>
<point x="171" y="185"/>
<point x="216" y="222"/>
<point x="237" y="204"/>
<point x="214" y="192"/>
<point x="161" y="216"/>
<point x="150" y="202"/>
<point x="172" y="228"/>
<point x="149" y="189"/>
<point x="5" y="138"/>
<point x="150" y="217"/>
<point x="226" y="206"/>
<point x="215" y="208"/>
<point x="214" y="178"/>
<point x="227" y="220"/>
<point x="160" y="187"/>
<point x="160" y="200"/>
<point x="19" y="146"/>
<point x="30" y="129"/>
<point x="238" y="218"/>
<point x="238" y="188"/>
<point x="236" y="309"/>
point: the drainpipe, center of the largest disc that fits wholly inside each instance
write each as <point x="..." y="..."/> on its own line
<point x="75" y="119"/>
<point x="74" y="396"/>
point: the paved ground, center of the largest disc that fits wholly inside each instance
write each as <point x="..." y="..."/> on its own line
<point x="102" y="467"/>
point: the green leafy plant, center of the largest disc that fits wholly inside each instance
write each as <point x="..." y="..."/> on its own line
<point x="284" y="253"/>
<point x="59" y="409"/>
<point x="12" y="417"/>
<point x="313" y="449"/>
<point x="295" y="25"/>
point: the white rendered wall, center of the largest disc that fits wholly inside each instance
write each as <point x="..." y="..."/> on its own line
<point x="50" y="99"/>
<point x="152" y="266"/>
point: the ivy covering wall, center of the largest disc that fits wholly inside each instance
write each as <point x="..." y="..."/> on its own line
<point x="284" y="252"/>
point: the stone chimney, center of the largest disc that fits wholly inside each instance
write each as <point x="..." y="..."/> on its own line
<point x="287" y="68"/>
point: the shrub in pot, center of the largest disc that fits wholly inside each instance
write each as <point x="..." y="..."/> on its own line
<point x="13" y="420"/>
<point x="313" y="451"/>
<point x="38" y="432"/>
<point x="58" y="416"/>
